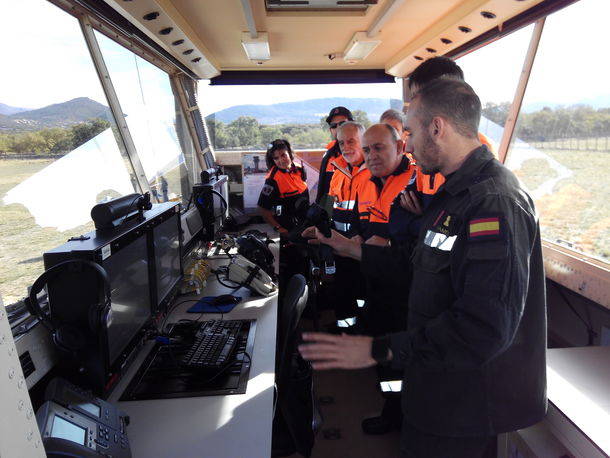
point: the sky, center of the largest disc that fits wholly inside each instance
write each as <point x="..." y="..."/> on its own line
<point x="49" y="63"/>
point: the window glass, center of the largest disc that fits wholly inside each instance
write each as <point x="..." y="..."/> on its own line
<point x="59" y="154"/>
<point x="493" y="72"/>
<point x="250" y="117"/>
<point x="153" y="114"/>
<point x="561" y="145"/>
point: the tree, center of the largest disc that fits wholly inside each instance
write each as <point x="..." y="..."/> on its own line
<point x="268" y="134"/>
<point x="85" y="131"/>
<point x="245" y="130"/>
<point x="57" y="140"/>
<point x="218" y="133"/>
<point x="496" y="112"/>
<point x="361" y="117"/>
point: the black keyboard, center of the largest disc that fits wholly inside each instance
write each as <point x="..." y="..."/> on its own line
<point x="214" y="343"/>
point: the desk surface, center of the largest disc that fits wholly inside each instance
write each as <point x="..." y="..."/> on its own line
<point x="579" y="386"/>
<point x="211" y="426"/>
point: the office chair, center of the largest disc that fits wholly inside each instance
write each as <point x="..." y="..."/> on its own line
<point x="291" y="308"/>
<point x="296" y="418"/>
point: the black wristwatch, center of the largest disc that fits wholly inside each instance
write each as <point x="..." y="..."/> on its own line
<point x="380" y="349"/>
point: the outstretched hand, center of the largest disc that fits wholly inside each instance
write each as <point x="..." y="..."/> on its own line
<point x="329" y="351"/>
<point x="341" y="245"/>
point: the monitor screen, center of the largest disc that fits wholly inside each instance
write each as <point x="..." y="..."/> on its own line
<point x="127" y="269"/>
<point x="166" y="240"/>
<point x="67" y="430"/>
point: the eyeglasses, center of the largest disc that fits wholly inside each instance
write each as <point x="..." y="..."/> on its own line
<point x="334" y="125"/>
<point x="378" y="213"/>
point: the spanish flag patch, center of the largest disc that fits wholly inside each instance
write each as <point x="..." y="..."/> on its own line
<point x="484" y="228"/>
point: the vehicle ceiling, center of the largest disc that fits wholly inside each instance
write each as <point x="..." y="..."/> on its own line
<point x="302" y="36"/>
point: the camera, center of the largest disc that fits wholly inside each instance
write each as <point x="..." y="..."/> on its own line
<point x="322" y="255"/>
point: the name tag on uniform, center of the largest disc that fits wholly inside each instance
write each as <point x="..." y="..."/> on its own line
<point x="441" y="241"/>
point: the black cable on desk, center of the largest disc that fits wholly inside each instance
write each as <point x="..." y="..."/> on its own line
<point x="170" y="311"/>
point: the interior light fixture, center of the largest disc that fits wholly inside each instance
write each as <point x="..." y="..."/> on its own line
<point x="256" y="48"/>
<point x="359" y="47"/>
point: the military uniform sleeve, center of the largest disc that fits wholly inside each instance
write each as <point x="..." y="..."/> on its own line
<point x="270" y="195"/>
<point x="489" y="275"/>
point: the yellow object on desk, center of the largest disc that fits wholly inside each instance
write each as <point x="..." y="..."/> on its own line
<point x="196" y="273"/>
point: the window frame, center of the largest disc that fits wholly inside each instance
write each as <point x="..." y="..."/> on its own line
<point x="587" y="276"/>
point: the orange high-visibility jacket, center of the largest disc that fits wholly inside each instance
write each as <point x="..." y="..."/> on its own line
<point x="375" y="198"/>
<point x="340" y="190"/>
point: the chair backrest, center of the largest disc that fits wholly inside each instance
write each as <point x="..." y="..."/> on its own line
<point x="291" y="309"/>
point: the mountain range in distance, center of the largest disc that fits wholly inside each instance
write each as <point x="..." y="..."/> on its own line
<point x="310" y="111"/>
<point x="305" y="111"/>
<point x="65" y="114"/>
<point x="82" y="109"/>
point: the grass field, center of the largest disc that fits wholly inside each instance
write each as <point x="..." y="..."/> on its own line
<point x="578" y="212"/>
<point x="22" y="241"/>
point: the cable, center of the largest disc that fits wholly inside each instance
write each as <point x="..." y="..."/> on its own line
<point x="173" y="307"/>
<point x="188" y="204"/>
<point x="590" y="331"/>
<point x="128" y="210"/>
<point x="222" y="199"/>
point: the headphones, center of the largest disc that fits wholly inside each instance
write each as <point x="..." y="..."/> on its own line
<point x="69" y="337"/>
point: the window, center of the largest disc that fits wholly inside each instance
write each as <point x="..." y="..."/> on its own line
<point x="493" y="72"/>
<point x="59" y="154"/>
<point x="152" y="114"/>
<point x="561" y="144"/>
<point x="250" y="117"/>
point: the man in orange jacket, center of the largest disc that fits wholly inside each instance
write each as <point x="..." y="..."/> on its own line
<point x="335" y="118"/>
<point x="348" y="286"/>
<point x="347" y="167"/>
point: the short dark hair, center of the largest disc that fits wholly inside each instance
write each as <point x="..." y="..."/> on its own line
<point x="453" y="100"/>
<point x="274" y="146"/>
<point x="435" y="68"/>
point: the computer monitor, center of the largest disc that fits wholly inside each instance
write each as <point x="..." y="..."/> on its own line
<point x="167" y="259"/>
<point x="127" y="269"/>
<point x="142" y="261"/>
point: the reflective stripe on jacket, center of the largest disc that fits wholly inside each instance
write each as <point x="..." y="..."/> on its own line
<point x="341" y="192"/>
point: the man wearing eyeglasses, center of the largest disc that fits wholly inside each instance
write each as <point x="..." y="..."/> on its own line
<point x="335" y="118"/>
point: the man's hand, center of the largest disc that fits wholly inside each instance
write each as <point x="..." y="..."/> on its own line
<point x="341" y="245"/>
<point x="328" y="351"/>
<point x="309" y="233"/>
<point x="357" y="239"/>
<point x="378" y="241"/>
<point x="410" y="202"/>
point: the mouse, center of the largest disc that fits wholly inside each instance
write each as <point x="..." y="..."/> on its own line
<point x="225" y="299"/>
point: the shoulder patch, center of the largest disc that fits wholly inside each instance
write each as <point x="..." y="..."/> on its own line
<point x="487" y="228"/>
<point x="267" y="190"/>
